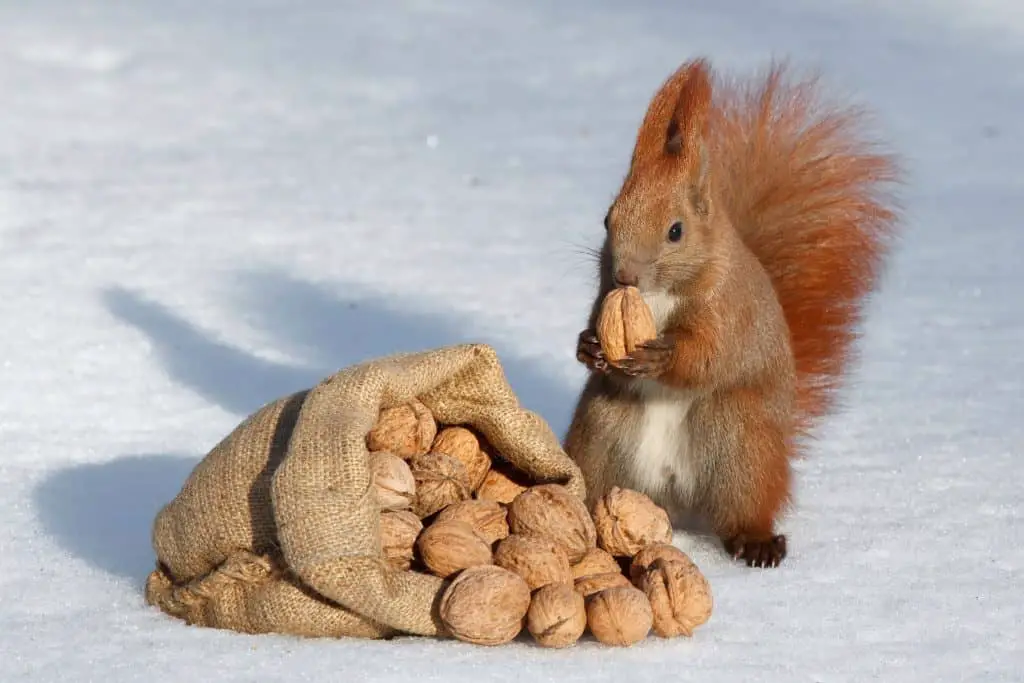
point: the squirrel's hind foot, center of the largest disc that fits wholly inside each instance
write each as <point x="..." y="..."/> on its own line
<point x="765" y="552"/>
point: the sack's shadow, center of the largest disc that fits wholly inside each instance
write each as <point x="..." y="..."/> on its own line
<point x="103" y="512"/>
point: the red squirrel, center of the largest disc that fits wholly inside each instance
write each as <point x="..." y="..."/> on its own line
<point x="754" y="221"/>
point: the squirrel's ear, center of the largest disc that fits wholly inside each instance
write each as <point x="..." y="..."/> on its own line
<point x="676" y="117"/>
<point x="701" y="187"/>
<point x="687" y="126"/>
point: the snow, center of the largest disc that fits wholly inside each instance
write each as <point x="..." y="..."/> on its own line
<point x="204" y="206"/>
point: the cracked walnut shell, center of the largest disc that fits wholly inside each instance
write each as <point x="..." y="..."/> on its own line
<point x="404" y="430"/>
<point x="628" y="520"/>
<point x="624" y="323"/>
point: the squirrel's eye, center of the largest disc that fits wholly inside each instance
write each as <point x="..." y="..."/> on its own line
<point x="607" y="216"/>
<point x="675" y="233"/>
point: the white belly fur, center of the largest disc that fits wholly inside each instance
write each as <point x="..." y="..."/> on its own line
<point x="663" y="460"/>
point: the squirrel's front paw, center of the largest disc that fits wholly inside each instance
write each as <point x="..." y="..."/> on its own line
<point x="589" y="352"/>
<point x="650" y="360"/>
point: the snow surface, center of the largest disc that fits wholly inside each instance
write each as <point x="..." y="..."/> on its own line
<point x="204" y="206"/>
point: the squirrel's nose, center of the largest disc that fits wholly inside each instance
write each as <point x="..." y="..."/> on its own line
<point x="626" y="277"/>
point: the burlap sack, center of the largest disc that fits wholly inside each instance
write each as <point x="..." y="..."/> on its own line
<point x="277" y="529"/>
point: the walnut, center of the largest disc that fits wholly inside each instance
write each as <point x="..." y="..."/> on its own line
<point x="550" y="510"/>
<point x="595" y="583"/>
<point x="625" y="322"/>
<point x="502" y="484"/>
<point x="398" y="532"/>
<point x="538" y="560"/>
<point x="619" y="616"/>
<point x="596" y="561"/>
<point x="462" y="444"/>
<point x="404" y="430"/>
<point x="485" y="605"/>
<point x="448" y="547"/>
<point x="557" y="616"/>
<point x="488" y="518"/>
<point x="440" y="481"/>
<point x="392" y="481"/>
<point x="628" y="520"/>
<point x="680" y="597"/>
<point x="656" y="551"/>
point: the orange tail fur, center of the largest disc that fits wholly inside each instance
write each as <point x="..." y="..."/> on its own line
<point x="808" y="194"/>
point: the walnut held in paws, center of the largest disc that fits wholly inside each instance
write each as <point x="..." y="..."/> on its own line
<point x="440" y="481"/>
<point x="628" y="520"/>
<point x="449" y="547"/>
<point x="557" y="616"/>
<point x="502" y="484"/>
<point x="485" y="605"/>
<point x="625" y="322"/>
<point x="550" y="510"/>
<point x="538" y="560"/>
<point x="595" y="583"/>
<point x="596" y="561"/>
<point x="398" y="532"/>
<point x="680" y="597"/>
<point x="619" y="616"/>
<point x="462" y="444"/>
<point x="487" y="517"/>
<point x="404" y="430"/>
<point x="656" y="551"/>
<point x="392" y="481"/>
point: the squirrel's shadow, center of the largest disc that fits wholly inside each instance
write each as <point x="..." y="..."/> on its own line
<point x="328" y="331"/>
<point x="103" y="512"/>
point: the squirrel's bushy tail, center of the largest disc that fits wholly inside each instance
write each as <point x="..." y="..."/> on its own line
<point x="810" y="196"/>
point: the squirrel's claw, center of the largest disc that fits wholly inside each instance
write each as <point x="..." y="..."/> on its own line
<point x="589" y="352"/>
<point x="651" y="359"/>
<point x="764" y="553"/>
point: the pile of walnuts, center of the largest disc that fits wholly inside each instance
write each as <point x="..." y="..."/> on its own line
<point x="521" y="555"/>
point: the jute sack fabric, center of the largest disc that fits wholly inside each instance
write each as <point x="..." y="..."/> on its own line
<point x="277" y="529"/>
